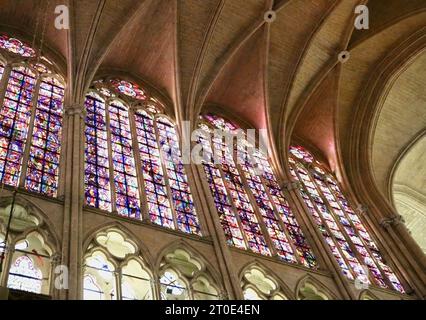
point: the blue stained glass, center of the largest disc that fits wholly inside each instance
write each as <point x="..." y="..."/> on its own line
<point x="15" y="118"/>
<point x="125" y="180"/>
<point x="255" y="240"/>
<point x="97" y="179"/>
<point x="43" y="166"/>
<point x="186" y="215"/>
<point x="270" y="202"/>
<point x="155" y="184"/>
<point x="346" y="231"/>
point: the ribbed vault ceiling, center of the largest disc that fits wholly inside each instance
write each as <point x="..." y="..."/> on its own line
<point x="284" y="75"/>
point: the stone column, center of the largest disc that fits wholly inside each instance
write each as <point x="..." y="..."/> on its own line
<point x="73" y="199"/>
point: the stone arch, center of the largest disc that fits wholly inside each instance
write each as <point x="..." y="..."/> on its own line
<point x="43" y="223"/>
<point x="367" y="295"/>
<point x="142" y="249"/>
<point x="163" y="98"/>
<point x="56" y="59"/>
<point x="125" y="271"/>
<point x="205" y="269"/>
<point x="282" y="288"/>
<point x="309" y="288"/>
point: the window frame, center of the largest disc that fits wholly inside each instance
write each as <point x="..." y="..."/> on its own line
<point x="327" y="173"/>
<point x="133" y="106"/>
<point x="252" y="199"/>
<point x="10" y="62"/>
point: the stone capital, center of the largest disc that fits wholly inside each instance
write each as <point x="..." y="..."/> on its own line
<point x="392" y="221"/>
<point x="76" y="109"/>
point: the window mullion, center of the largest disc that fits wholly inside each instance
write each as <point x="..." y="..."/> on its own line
<point x="4" y="82"/>
<point x="324" y="223"/>
<point x="336" y="219"/>
<point x="367" y="248"/>
<point x="7" y="263"/>
<point x="231" y="202"/>
<point x="111" y="162"/>
<point x="119" y="275"/>
<point x="279" y="219"/>
<point x="165" y="174"/>
<point x="29" y="135"/>
<point x="256" y="209"/>
<point x="139" y="173"/>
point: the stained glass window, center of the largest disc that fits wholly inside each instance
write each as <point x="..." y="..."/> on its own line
<point x="349" y="241"/>
<point x="24" y="276"/>
<point x="155" y="183"/>
<point x="129" y="89"/>
<point x="125" y="180"/>
<point x="31" y="113"/>
<point x="166" y="190"/>
<point x="186" y="216"/>
<point x="43" y="165"/>
<point x="16" y="46"/>
<point x="112" y="261"/>
<point x="250" y="224"/>
<point x="15" y="118"/>
<point x="97" y="179"/>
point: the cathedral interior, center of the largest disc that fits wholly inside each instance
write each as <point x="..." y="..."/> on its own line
<point x="95" y="94"/>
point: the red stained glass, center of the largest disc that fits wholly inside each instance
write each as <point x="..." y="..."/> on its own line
<point x="16" y="46"/>
<point x="125" y="180"/>
<point x="43" y="167"/>
<point x="15" y="118"/>
<point x="155" y="184"/>
<point x="1" y="70"/>
<point x="129" y="89"/>
<point x="348" y="239"/>
<point x="186" y="216"/>
<point x="97" y="179"/>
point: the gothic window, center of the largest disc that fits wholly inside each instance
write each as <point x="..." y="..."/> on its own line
<point x="16" y="46"/>
<point x="351" y="244"/>
<point x="113" y="270"/>
<point x="28" y="257"/>
<point x="31" y="118"/>
<point x="184" y="277"/>
<point x="25" y="276"/>
<point x="140" y="169"/>
<point x="257" y="285"/>
<point x="30" y="265"/>
<point x="251" y="206"/>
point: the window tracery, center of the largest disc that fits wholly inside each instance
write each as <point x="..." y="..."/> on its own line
<point x="31" y="119"/>
<point x="351" y="244"/>
<point x="252" y="208"/>
<point x="137" y="172"/>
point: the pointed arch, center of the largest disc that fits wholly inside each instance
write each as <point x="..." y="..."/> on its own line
<point x="118" y="264"/>
<point x="354" y="249"/>
<point x="282" y="288"/>
<point x="318" y="289"/>
<point x="129" y="235"/>
<point x="203" y="272"/>
<point x="252" y="208"/>
<point x="34" y="247"/>
<point x="367" y="295"/>
<point x="128" y="167"/>
<point x="44" y="224"/>
<point x="31" y="119"/>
